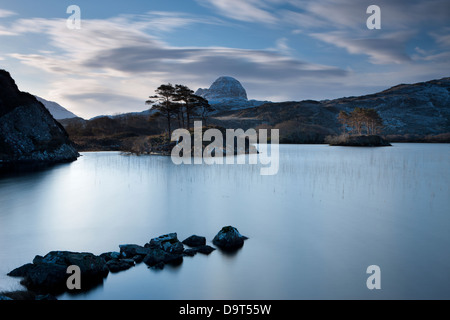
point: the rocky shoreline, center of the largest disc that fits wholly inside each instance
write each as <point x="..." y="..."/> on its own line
<point x="47" y="275"/>
<point x="358" y="141"/>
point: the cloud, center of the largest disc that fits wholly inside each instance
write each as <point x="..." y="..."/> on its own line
<point x="249" y="10"/>
<point x="6" y="13"/>
<point x="442" y="37"/>
<point x="386" y="49"/>
<point x="117" y="58"/>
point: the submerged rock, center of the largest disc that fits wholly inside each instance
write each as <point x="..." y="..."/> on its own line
<point x="229" y="239"/>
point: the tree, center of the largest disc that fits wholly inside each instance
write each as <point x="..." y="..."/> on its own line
<point x="361" y="121"/>
<point x="185" y="95"/>
<point x="203" y="107"/>
<point x="344" y="118"/>
<point x="164" y="103"/>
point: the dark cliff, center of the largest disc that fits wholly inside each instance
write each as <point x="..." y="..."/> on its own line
<point x="28" y="132"/>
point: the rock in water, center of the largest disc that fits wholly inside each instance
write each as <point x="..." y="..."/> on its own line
<point x="195" y="241"/>
<point x="48" y="274"/>
<point x="28" y="132"/>
<point x="168" y="242"/>
<point x="229" y="239"/>
<point x="131" y="250"/>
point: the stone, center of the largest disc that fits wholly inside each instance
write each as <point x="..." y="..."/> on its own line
<point x="229" y="239"/>
<point x="131" y="250"/>
<point x="205" y="249"/>
<point x="138" y="258"/>
<point x="21" y="271"/>
<point x="194" y="241"/>
<point x="168" y="242"/>
<point x="157" y="256"/>
<point x="49" y="273"/>
<point x="110" y="255"/>
<point x="117" y="265"/>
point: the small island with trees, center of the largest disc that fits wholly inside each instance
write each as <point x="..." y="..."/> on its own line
<point x="361" y="128"/>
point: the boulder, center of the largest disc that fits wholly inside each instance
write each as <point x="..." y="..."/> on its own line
<point x="158" y="256"/>
<point x="131" y="250"/>
<point x="168" y="242"/>
<point x="110" y="255"/>
<point x="48" y="274"/>
<point x="21" y="271"/>
<point x="229" y="239"/>
<point x="205" y="249"/>
<point x="138" y="258"/>
<point x="195" y="241"/>
<point x="116" y="265"/>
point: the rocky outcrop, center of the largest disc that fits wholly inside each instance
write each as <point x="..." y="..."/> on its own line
<point x="28" y="132"/>
<point x="410" y="112"/>
<point x="229" y="239"/>
<point x="227" y="93"/>
<point x="223" y="88"/>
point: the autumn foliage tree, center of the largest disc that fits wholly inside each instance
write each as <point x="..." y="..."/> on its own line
<point x="361" y="121"/>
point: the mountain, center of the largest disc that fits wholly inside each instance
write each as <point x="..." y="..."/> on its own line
<point x="28" y="132"/>
<point x="58" y="112"/>
<point x="410" y="112"/>
<point x="227" y="93"/>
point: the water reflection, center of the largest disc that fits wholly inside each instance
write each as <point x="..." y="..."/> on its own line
<point x="313" y="228"/>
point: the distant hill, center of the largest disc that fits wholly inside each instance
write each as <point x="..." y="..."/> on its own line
<point x="411" y="113"/>
<point x="58" y="112"/>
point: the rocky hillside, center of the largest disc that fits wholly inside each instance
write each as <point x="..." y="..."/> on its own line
<point x="58" y="112"/>
<point x="28" y="132"/>
<point x="227" y="93"/>
<point x="414" y="112"/>
<point x="411" y="113"/>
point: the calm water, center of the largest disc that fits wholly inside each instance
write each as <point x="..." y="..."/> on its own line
<point x="314" y="228"/>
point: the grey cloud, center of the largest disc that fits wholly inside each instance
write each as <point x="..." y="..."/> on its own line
<point x="390" y="48"/>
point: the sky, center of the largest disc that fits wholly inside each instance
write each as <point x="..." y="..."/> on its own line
<point x="280" y="50"/>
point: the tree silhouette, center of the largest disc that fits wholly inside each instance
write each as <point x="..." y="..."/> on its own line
<point x="164" y="103"/>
